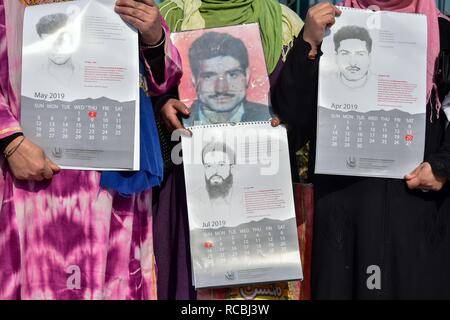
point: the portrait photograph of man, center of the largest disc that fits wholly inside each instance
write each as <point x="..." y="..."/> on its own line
<point x="52" y="49"/>
<point x="59" y="46"/>
<point x="222" y="84"/>
<point x="216" y="194"/>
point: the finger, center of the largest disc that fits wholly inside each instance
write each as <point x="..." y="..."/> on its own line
<point x="413" y="183"/>
<point x="327" y="20"/>
<point x="150" y="3"/>
<point x="322" y="6"/>
<point x="131" y="15"/>
<point x="413" y="174"/>
<point x="316" y="9"/>
<point x="337" y="11"/>
<point x="48" y="172"/>
<point x="275" y="122"/>
<point x="37" y="177"/>
<point x="136" y="23"/>
<point x="180" y="107"/>
<point x="328" y="10"/>
<point x="173" y="122"/>
<point x="53" y="166"/>
<point x="141" y="5"/>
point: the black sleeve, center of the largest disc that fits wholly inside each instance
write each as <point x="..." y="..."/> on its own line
<point x="155" y="58"/>
<point x="294" y="96"/>
<point x="5" y="141"/>
<point x="440" y="161"/>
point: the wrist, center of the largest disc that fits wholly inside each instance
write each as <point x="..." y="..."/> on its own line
<point x="153" y="39"/>
<point x="313" y="48"/>
<point x="4" y="142"/>
<point x="13" y="146"/>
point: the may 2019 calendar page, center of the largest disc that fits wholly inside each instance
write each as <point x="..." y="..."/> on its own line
<point x="372" y="94"/>
<point x="80" y="85"/>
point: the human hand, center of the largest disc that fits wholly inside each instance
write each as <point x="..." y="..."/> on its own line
<point x="423" y="178"/>
<point x="275" y="121"/>
<point x="144" y="16"/>
<point x="318" y="18"/>
<point x="29" y="162"/>
<point x="169" y="114"/>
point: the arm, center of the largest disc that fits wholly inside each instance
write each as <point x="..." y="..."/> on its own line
<point x="25" y="159"/>
<point x="163" y="71"/>
<point x="440" y="161"/>
<point x="435" y="171"/>
<point x="9" y="126"/>
<point x="163" y="64"/>
<point x="294" y="96"/>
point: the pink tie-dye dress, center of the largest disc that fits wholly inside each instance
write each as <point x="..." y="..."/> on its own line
<point x="67" y="238"/>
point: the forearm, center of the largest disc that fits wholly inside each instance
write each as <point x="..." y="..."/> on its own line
<point x="440" y="161"/>
<point x="162" y="64"/>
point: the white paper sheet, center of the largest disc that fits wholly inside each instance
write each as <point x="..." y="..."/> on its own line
<point x="80" y="85"/>
<point x="372" y="94"/>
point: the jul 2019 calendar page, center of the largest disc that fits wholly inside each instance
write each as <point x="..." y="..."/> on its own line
<point x="80" y="85"/>
<point x="372" y="94"/>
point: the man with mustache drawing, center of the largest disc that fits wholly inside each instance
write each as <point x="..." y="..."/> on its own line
<point x="353" y="46"/>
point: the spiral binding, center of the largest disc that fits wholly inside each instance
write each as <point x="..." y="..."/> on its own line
<point x="368" y="10"/>
<point x="221" y="125"/>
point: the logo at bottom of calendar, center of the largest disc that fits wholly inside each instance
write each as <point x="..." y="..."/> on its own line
<point x="230" y="275"/>
<point x="57" y="153"/>
<point x="351" y="163"/>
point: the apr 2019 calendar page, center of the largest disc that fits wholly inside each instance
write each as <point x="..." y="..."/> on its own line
<point x="372" y="94"/>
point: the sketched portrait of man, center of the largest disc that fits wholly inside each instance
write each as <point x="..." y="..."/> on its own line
<point x="59" y="43"/>
<point x="220" y="74"/>
<point x="218" y="160"/>
<point x="353" y="49"/>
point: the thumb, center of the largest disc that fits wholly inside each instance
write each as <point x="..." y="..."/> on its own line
<point x="181" y="107"/>
<point x="413" y="183"/>
<point x="413" y="174"/>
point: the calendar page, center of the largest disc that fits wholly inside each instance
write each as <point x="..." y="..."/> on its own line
<point x="80" y="85"/>
<point x="240" y="205"/>
<point x="372" y="94"/>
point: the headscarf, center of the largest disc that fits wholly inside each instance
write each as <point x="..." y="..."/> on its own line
<point x="425" y="7"/>
<point x="195" y="14"/>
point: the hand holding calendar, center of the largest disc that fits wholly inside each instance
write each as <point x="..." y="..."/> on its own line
<point x="29" y="162"/>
